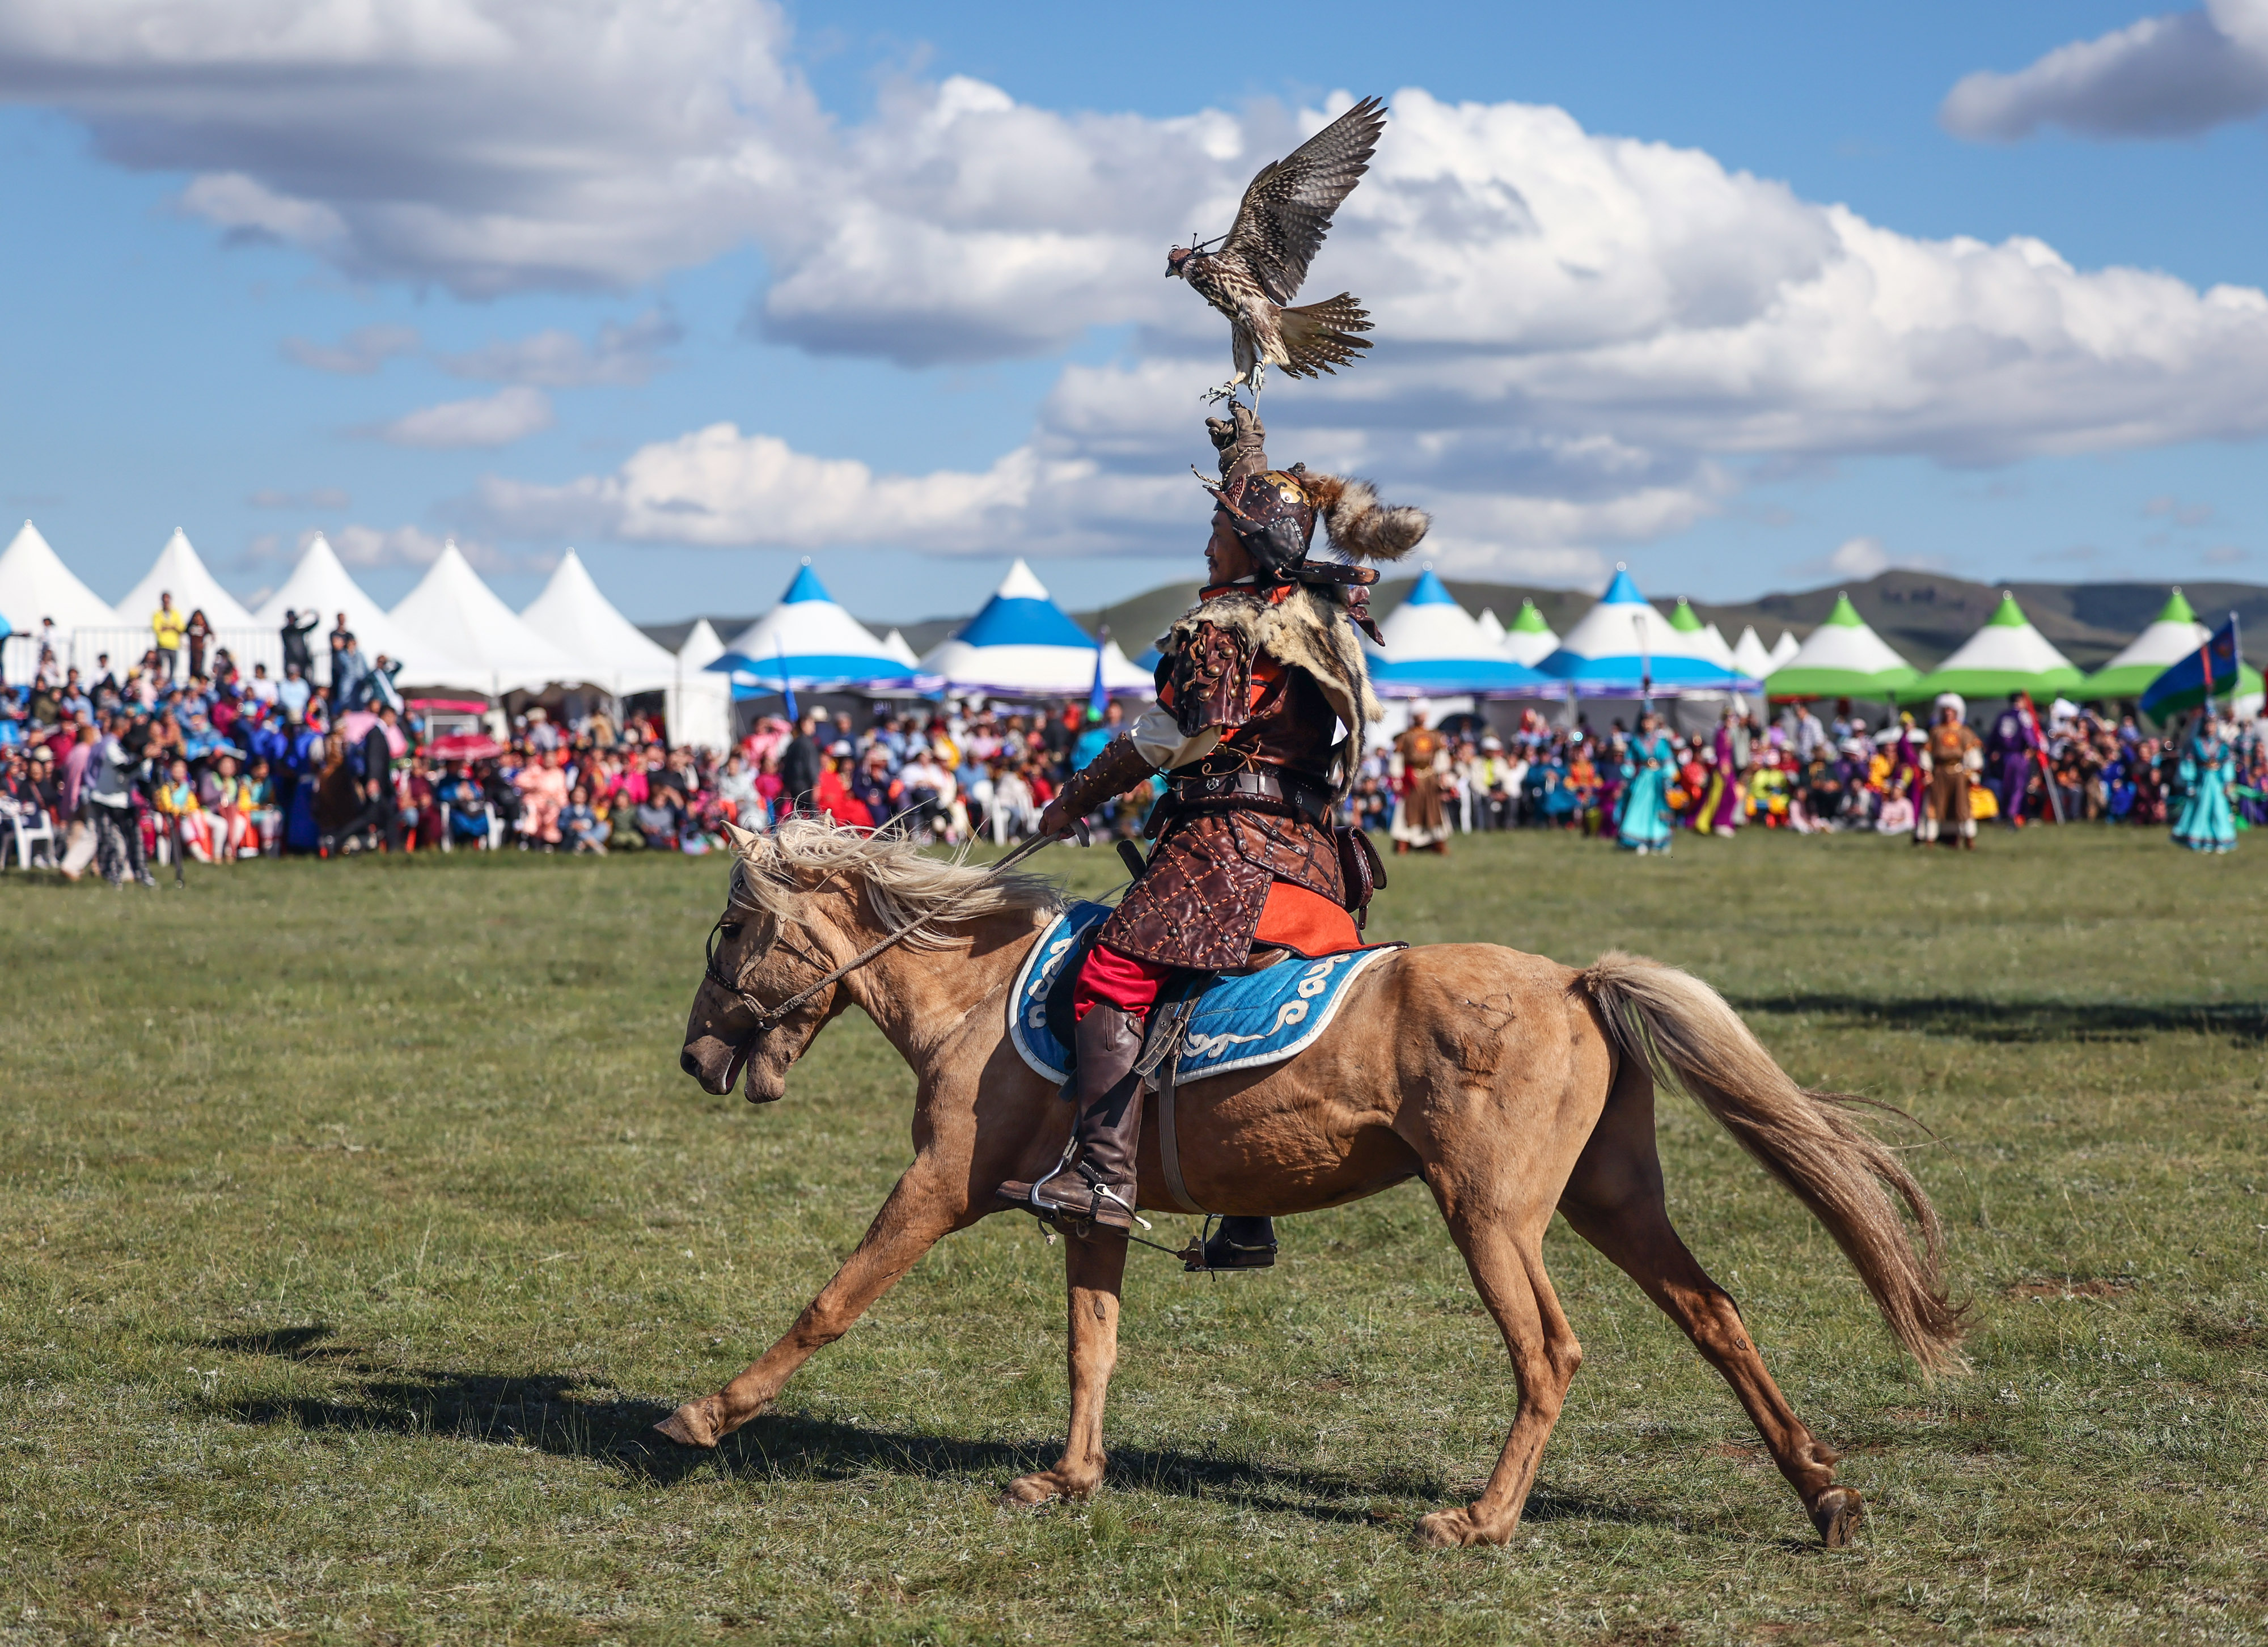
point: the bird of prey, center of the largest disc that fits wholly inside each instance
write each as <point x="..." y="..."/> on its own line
<point x="1280" y="225"/>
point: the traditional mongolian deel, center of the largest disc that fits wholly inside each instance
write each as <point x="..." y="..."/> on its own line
<point x="1240" y="1023"/>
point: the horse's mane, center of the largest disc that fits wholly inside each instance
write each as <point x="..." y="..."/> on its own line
<point x="901" y="884"/>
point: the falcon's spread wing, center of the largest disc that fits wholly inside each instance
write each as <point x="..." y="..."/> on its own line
<point x="1287" y="208"/>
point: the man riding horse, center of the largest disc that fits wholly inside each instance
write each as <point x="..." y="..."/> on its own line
<point x="1262" y="697"/>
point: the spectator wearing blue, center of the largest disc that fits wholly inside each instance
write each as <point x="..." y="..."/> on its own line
<point x="293" y="691"/>
<point x="1100" y="729"/>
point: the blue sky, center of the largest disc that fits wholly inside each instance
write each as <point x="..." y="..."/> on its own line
<point x="277" y="270"/>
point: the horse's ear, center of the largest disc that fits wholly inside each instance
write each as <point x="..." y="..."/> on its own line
<point x="744" y="841"/>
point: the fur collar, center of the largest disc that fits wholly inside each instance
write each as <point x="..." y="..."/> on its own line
<point x="1309" y="630"/>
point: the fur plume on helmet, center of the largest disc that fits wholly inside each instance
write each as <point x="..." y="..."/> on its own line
<point x="1360" y="525"/>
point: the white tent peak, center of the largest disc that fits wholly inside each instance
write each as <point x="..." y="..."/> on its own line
<point x="894" y="645"/>
<point x="35" y="583"/>
<point x="1750" y="655"/>
<point x="320" y="587"/>
<point x="180" y="572"/>
<point x="610" y="650"/>
<point x="1021" y="583"/>
<point x="491" y="649"/>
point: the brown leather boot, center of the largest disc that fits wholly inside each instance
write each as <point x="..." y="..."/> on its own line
<point x="1095" y="1184"/>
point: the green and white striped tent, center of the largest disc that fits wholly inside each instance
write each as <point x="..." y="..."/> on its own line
<point x="1529" y="640"/>
<point x="2006" y="656"/>
<point x="2172" y="636"/>
<point x="1843" y="659"/>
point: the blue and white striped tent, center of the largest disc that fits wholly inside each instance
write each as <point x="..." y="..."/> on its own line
<point x="1023" y="645"/>
<point x="809" y="643"/>
<point x="1623" y="644"/>
<point x="1434" y="650"/>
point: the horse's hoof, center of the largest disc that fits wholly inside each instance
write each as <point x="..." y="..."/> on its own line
<point x="689" y="1427"/>
<point x="1031" y="1492"/>
<point x="1837" y="1514"/>
<point x="1445" y="1530"/>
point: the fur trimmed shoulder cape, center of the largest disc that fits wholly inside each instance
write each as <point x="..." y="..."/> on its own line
<point x="1309" y="630"/>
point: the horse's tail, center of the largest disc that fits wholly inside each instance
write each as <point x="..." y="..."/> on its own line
<point x="1686" y="1033"/>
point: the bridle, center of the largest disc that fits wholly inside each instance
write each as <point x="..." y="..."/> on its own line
<point x="770" y="1018"/>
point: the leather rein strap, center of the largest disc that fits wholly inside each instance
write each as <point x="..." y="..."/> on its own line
<point x="769" y="1017"/>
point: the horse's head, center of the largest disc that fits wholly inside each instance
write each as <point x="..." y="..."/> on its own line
<point x="753" y="966"/>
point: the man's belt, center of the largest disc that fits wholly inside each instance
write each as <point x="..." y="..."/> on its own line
<point x="1272" y="791"/>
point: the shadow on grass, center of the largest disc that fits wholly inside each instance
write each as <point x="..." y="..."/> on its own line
<point x="2245" y="1024"/>
<point x="542" y="1411"/>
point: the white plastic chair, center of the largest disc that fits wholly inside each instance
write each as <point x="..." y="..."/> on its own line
<point x="25" y="834"/>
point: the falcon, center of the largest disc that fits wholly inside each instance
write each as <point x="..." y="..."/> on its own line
<point x="1280" y="225"/>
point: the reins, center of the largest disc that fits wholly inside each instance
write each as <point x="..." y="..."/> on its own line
<point x="769" y="1017"/>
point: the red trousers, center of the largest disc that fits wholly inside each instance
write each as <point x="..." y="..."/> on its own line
<point x="1293" y="917"/>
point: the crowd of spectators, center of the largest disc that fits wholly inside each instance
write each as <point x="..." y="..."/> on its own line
<point x="1809" y="774"/>
<point x="184" y="756"/>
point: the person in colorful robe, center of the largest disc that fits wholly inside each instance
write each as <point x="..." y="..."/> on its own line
<point x="1953" y="757"/>
<point x="1419" y="767"/>
<point x="2014" y="749"/>
<point x="2206" y="820"/>
<point x="1254" y="684"/>
<point x="1724" y="801"/>
<point x="1648" y="764"/>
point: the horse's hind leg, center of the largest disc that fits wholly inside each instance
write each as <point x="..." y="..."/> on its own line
<point x="1504" y="1251"/>
<point x="1095" y="1269"/>
<point x="1613" y="1201"/>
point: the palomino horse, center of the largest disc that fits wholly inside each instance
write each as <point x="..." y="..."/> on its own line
<point x="1511" y="1084"/>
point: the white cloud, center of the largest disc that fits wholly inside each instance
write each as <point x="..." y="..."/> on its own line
<point x="362" y="350"/>
<point x="2182" y="514"/>
<point x="375" y="547"/>
<point x="561" y="360"/>
<point x="2164" y="76"/>
<point x="489" y="419"/>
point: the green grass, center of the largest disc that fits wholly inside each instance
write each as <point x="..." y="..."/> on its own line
<point x="354" y="1222"/>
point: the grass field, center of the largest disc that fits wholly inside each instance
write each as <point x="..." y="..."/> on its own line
<point x="356" y="1222"/>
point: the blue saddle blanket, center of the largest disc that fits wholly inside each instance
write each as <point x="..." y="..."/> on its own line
<point x="1240" y="1023"/>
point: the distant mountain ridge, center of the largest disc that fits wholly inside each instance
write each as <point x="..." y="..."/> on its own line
<point x="1924" y="615"/>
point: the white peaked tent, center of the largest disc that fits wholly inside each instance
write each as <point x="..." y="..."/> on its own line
<point x="1021" y="645"/>
<point x="1749" y="655"/>
<point x="1624" y="646"/>
<point x="487" y="647"/>
<point x="35" y="583"/>
<point x="2172" y="636"/>
<point x="699" y="707"/>
<point x="2007" y="655"/>
<point x="1529" y="640"/>
<point x="1784" y="647"/>
<point x="894" y="645"/>
<point x="612" y="652"/>
<point x="319" y="587"/>
<point x="1718" y="644"/>
<point x="1491" y="628"/>
<point x="179" y="568"/>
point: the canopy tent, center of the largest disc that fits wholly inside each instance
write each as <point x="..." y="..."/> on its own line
<point x="699" y="705"/>
<point x="894" y="645"/>
<point x="1529" y="640"/>
<point x="1492" y="629"/>
<point x="611" y="652"/>
<point x="1621" y="646"/>
<point x="481" y="642"/>
<point x="1704" y="640"/>
<point x="2006" y="656"/>
<point x="35" y="583"/>
<point x="1433" y="650"/>
<point x="321" y="588"/>
<point x="1749" y="655"/>
<point x="1021" y="645"/>
<point x="180" y="570"/>
<point x="2173" y="635"/>
<point x="808" y="643"/>
<point x="1843" y="658"/>
<point x="1784" y="647"/>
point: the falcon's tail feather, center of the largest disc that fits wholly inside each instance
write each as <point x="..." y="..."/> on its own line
<point x="1319" y="336"/>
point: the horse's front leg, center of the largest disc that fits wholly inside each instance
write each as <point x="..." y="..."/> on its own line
<point x="1095" y="1269"/>
<point x="928" y="1204"/>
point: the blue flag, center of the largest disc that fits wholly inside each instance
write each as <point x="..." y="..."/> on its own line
<point x="1096" y="697"/>
<point x="2209" y="672"/>
<point x="787" y="689"/>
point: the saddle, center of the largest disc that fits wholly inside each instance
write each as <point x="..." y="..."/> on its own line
<point x="1270" y="1009"/>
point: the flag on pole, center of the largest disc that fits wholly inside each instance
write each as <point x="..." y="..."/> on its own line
<point x="2215" y="671"/>
<point x="1096" y="695"/>
<point x="787" y="688"/>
